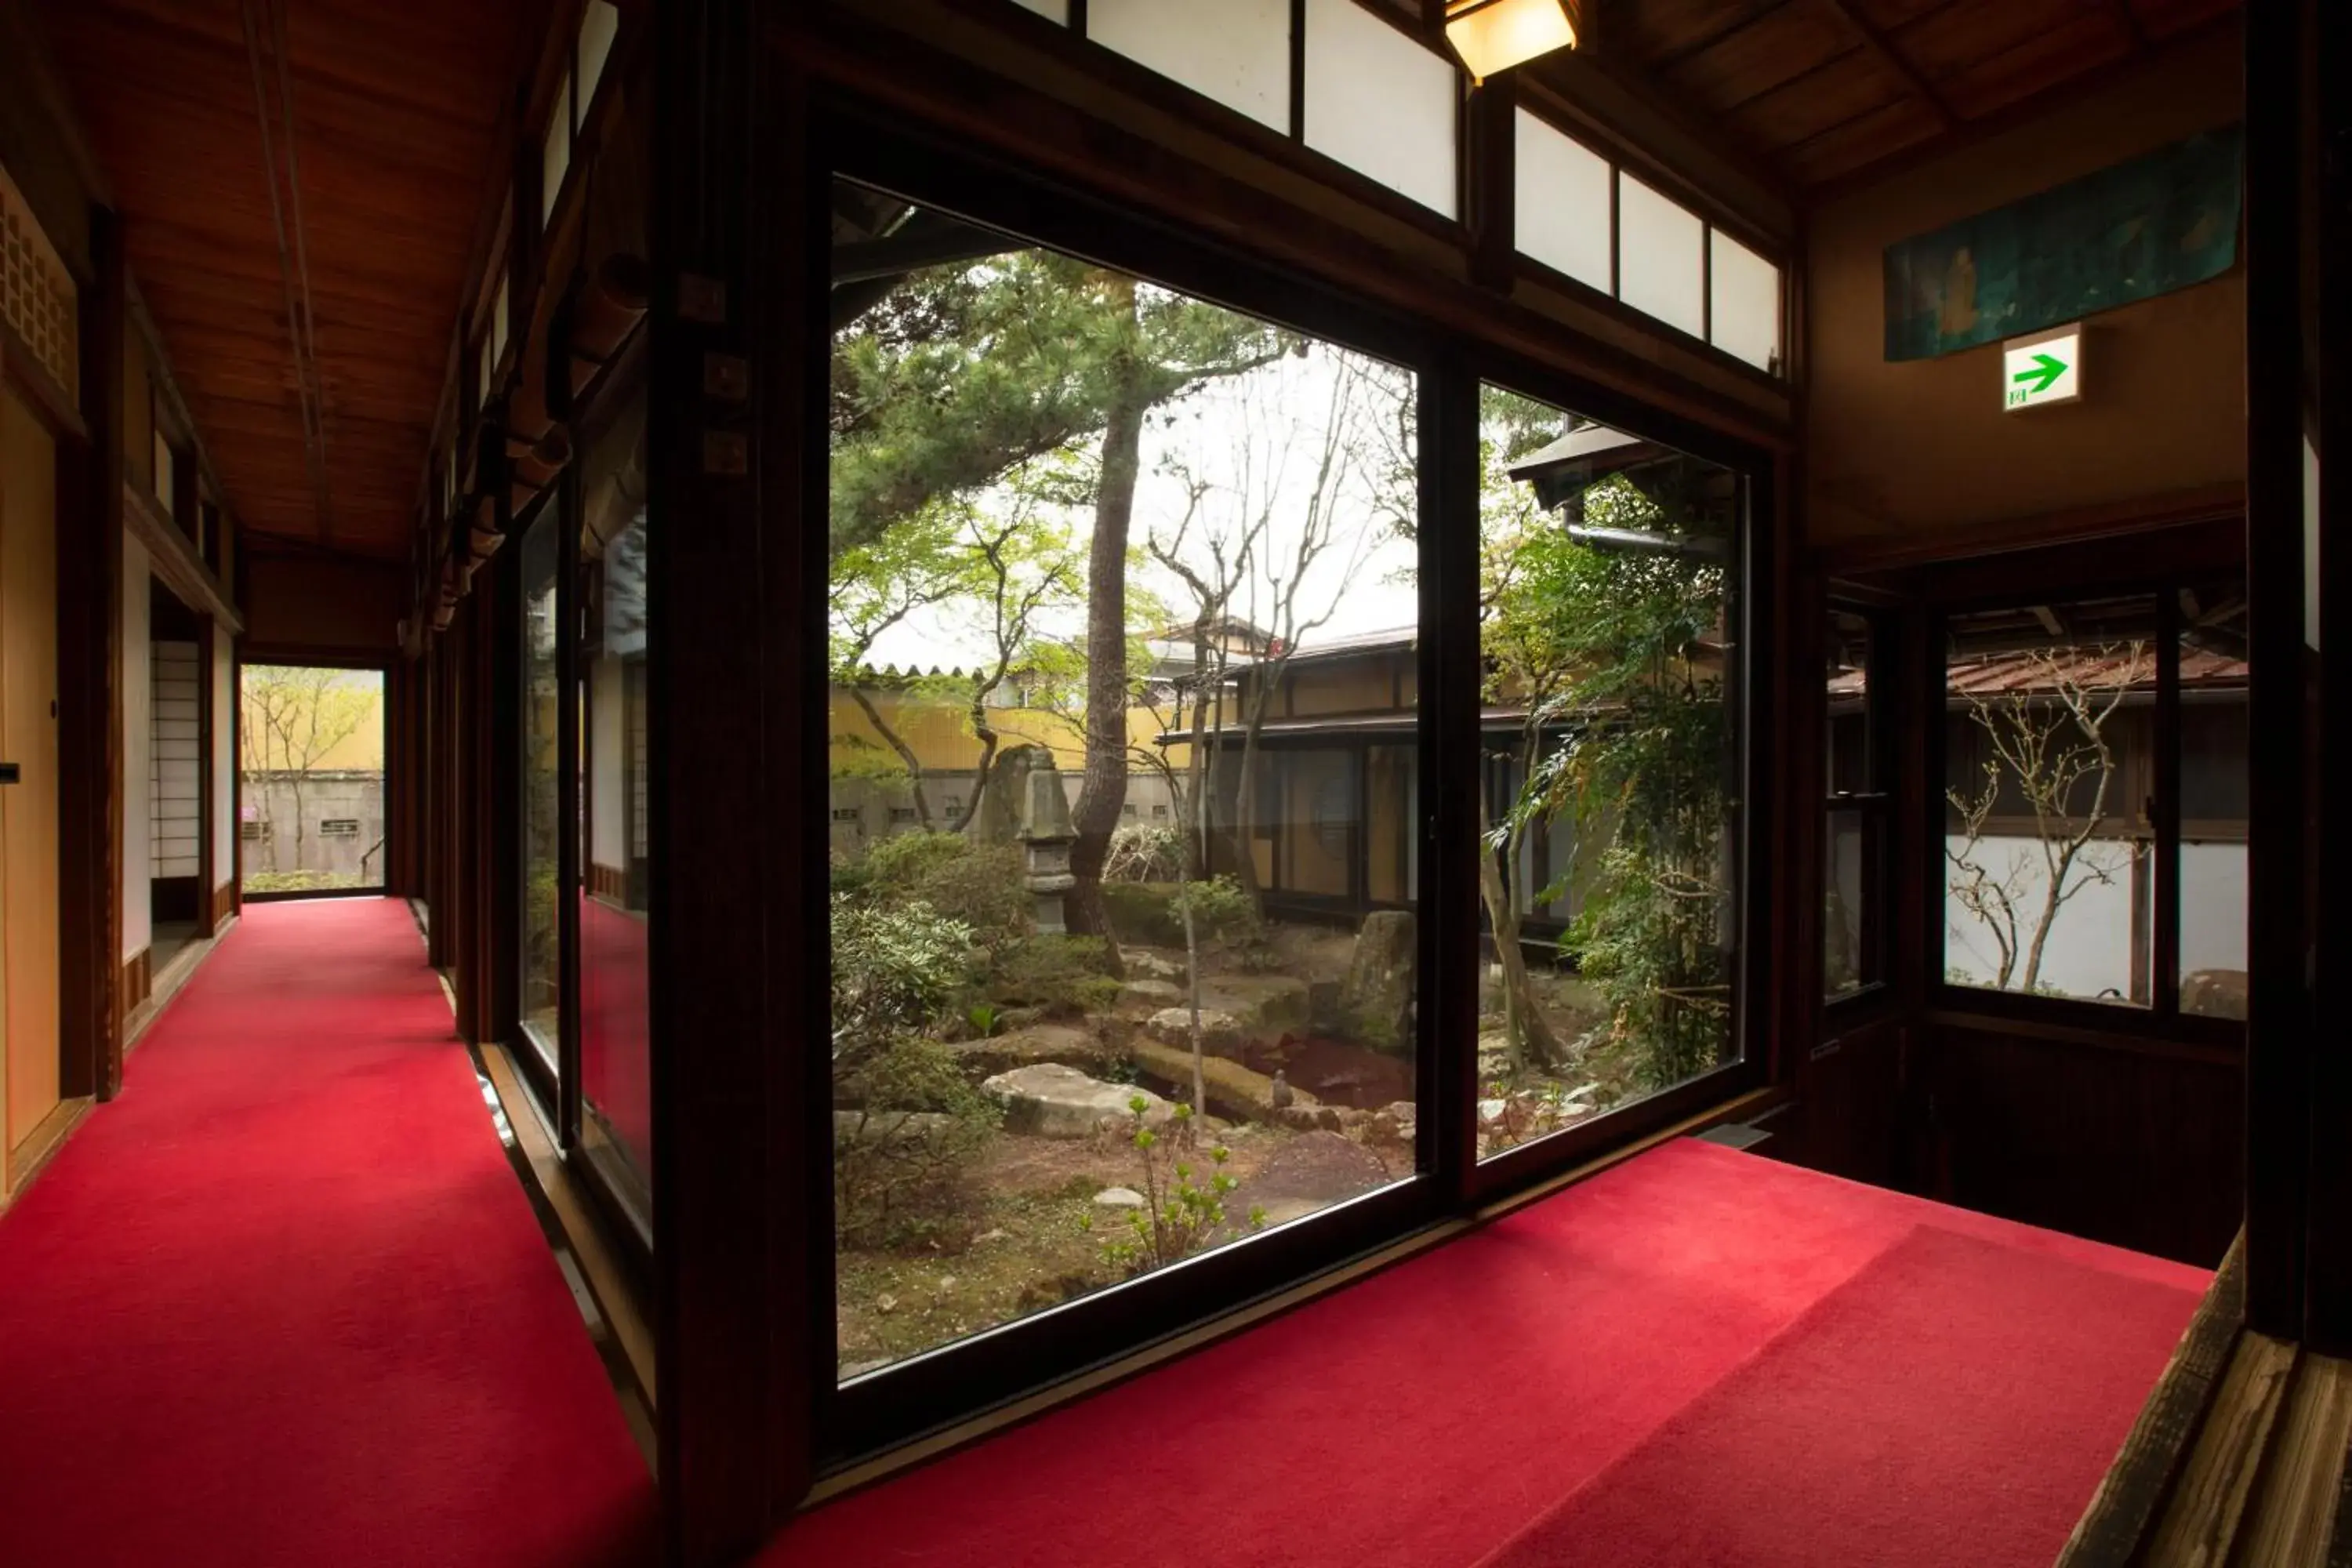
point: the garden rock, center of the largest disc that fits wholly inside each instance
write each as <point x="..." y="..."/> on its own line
<point x="1049" y="1099"/>
<point x="1309" y="1172"/>
<point x="1151" y="993"/>
<point x="1395" y="1124"/>
<point x="1259" y="1004"/>
<point x="1062" y="1043"/>
<point x="1221" y="1031"/>
<point x="1376" y="999"/>
<point x="1119" y="1198"/>
<point x="1236" y="1092"/>
<point x="1143" y="963"/>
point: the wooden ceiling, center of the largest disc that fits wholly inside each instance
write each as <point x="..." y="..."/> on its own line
<point x="1824" y="90"/>
<point x="396" y="112"/>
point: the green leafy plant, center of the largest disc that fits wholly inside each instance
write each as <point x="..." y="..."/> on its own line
<point x="1179" y="1216"/>
<point x="1062" y="975"/>
<point x="985" y="1020"/>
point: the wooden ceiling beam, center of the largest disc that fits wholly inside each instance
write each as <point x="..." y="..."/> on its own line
<point x="1896" y="60"/>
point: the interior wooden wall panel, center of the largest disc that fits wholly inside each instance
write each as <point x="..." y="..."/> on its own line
<point x="2125" y="1146"/>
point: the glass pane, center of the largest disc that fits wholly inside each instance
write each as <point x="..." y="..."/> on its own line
<point x="541" y="1001"/>
<point x="1381" y="102"/>
<point x="1743" y="315"/>
<point x="1851" y="888"/>
<point x="615" y="1040"/>
<point x="1660" y="268"/>
<point x="1610" y="828"/>
<point x="555" y="150"/>
<point x="310" y="802"/>
<point x="1235" y="51"/>
<point x="1849" y="770"/>
<point x="2213" y="801"/>
<point x="1849" y="956"/>
<point x="1123" y="746"/>
<point x="600" y="24"/>
<point x="2049" y="739"/>
<point x="1562" y="202"/>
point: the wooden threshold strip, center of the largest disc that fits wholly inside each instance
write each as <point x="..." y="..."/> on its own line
<point x="2238" y="1459"/>
<point x="606" y="1280"/>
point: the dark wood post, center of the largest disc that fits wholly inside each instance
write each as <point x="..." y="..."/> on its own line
<point x="2279" y="1019"/>
<point x="742" y="1323"/>
<point x="89" y="697"/>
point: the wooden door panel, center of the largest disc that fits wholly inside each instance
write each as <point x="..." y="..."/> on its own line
<point x="29" y="737"/>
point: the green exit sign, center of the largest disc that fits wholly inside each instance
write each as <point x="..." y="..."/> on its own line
<point x="2043" y="369"/>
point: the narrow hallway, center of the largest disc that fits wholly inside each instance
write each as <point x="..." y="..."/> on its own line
<point x="286" y="1303"/>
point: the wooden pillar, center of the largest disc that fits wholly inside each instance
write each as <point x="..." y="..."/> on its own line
<point x="2279" y="1017"/>
<point x="733" y="638"/>
<point x="2327" y="405"/>
<point x="89" y="698"/>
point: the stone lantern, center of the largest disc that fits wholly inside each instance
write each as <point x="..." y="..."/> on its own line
<point x="1046" y="834"/>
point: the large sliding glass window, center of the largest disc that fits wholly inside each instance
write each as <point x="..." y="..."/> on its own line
<point x="1124" y="633"/>
<point x="615" y="769"/>
<point x="540" y="1007"/>
<point x="1608" y="635"/>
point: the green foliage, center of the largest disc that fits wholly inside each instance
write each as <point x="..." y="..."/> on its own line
<point x="984" y="1020"/>
<point x="964" y="370"/>
<point x="962" y="878"/>
<point x="899" y="1157"/>
<point x="1613" y="652"/>
<point x="894" y="967"/>
<point x="1179" y="1217"/>
<point x="1061" y="974"/>
<point x="1153" y="912"/>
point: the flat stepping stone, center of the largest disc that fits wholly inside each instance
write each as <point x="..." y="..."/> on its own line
<point x="1049" y="1099"/>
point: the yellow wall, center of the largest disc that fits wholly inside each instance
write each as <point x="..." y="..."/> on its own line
<point x="1923" y="446"/>
<point x="940" y="734"/>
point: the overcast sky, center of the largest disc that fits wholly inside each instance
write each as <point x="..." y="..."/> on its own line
<point x="1255" y="439"/>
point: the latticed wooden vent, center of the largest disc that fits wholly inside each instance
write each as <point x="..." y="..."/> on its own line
<point x="36" y="293"/>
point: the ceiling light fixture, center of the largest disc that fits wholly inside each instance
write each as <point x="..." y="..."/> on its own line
<point x="1495" y="34"/>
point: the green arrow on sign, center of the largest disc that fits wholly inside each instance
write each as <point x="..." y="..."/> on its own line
<point x="2044" y="374"/>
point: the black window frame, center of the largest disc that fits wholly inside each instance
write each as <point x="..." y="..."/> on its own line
<point x="1875" y="804"/>
<point x="852" y="140"/>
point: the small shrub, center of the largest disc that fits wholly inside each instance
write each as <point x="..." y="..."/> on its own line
<point x="1153" y="912"/>
<point x="1061" y="974"/>
<point x="893" y="968"/>
<point x="963" y="878"/>
<point x="899" y="1157"/>
<point x="1179" y="1217"/>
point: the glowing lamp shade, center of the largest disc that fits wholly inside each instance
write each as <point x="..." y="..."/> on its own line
<point x="1495" y="34"/>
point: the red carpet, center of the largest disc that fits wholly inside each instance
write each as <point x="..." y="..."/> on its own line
<point x="1433" y="1413"/>
<point x="1955" y="1402"/>
<point x="284" y="1302"/>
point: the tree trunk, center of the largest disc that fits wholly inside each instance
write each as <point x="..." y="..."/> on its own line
<point x="1533" y="1043"/>
<point x="906" y="753"/>
<point x="1103" y="791"/>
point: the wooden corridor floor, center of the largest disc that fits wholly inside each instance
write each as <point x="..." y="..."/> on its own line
<point x="285" y="1302"/>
